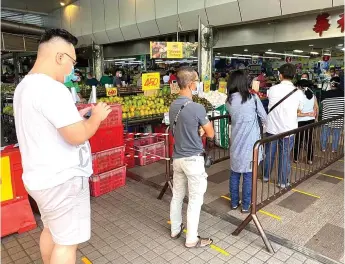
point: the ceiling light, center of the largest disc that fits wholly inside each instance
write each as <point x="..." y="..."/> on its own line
<point x="314" y="53"/>
<point x="242" y="55"/>
<point x="343" y="49"/>
<point x="311" y="45"/>
<point x="340" y="45"/>
<point x="62" y="3"/>
<point x="218" y="53"/>
<point x="327" y="54"/>
<point x="286" y="54"/>
<point x="269" y="50"/>
<point x="298" y="51"/>
<point x="245" y="50"/>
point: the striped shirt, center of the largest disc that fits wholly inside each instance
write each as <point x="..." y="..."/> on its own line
<point x="333" y="105"/>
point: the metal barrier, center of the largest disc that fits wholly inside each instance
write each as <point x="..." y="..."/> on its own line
<point x="310" y="148"/>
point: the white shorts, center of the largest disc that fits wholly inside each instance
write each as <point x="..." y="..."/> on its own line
<point x="65" y="210"/>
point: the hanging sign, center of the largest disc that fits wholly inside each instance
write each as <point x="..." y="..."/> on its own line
<point x="222" y="87"/>
<point x="150" y="81"/>
<point x="111" y="91"/>
<point x="173" y="50"/>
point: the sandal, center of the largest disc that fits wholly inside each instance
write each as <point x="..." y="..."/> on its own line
<point x="202" y="242"/>
<point x="179" y="234"/>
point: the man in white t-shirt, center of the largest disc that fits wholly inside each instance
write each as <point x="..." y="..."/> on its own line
<point x="283" y="118"/>
<point x="53" y="141"/>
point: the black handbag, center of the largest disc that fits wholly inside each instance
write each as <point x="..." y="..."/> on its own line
<point x="258" y="118"/>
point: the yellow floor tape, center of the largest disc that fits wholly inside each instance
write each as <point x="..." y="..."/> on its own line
<point x="320" y="173"/>
<point x="86" y="260"/>
<point x="306" y="193"/>
<point x="271" y="215"/>
<point x="213" y="246"/>
<point x="261" y="211"/>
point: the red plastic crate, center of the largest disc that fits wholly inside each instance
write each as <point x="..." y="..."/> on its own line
<point x="113" y="119"/>
<point x="150" y="153"/>
<point x="107" y="138"/>
<point x="129" y="159"/>
<point x="108" y="159"/>
<point x="129" y="141"/>
<point x="107" y="181"/>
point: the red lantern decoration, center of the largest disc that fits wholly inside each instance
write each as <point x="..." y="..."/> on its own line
<point x="326" y="57"/>
<point x="288" y="59"/>
<point x="341" y="22"/>
<point x="322" y="23"/>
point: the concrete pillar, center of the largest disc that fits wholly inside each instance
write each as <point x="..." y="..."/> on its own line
<point x="205" y="57"/>
<point x="98" y="61"/>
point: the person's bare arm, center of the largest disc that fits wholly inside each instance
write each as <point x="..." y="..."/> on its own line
<point x="78" y="133"/>
<point x="300" y="114"/>
<point x="316" y="109"/>
<point x="209" y="131"/>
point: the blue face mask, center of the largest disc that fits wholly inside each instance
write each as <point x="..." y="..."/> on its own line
<point x="70" y="76"/>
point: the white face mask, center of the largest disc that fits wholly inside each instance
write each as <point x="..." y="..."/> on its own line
<point x="120" y="75"/>
<point x="195" y="92"/>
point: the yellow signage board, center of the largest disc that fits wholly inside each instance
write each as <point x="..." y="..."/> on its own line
<point x="175" y="50"/>
<point x="6" y="179"/>
<point x="207" y="86"/>
<point x="222" y="87"/>
<point x="111" y="91"/>
<point x="150" y="81"/>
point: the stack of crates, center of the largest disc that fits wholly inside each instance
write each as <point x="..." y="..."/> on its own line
<point x="108" y="154"/>
<point x="144" y="149"/>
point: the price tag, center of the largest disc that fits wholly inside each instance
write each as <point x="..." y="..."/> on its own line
<point x="150" y="81"/>
<point x="207" y="86"/>
<point x="166" y="119"/>
<point x="111" y="91"/>
<point x="222" y="87"/>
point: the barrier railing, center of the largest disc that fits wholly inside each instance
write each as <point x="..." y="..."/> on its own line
<point x="283" y="161"/>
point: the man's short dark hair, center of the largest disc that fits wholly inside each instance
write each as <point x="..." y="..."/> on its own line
<point x="288" y="71"/>
<point x="58" y="33"/>
<point x="185" y="75"/>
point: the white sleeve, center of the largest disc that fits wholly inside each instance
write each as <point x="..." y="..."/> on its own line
<point x="60" y="110"/>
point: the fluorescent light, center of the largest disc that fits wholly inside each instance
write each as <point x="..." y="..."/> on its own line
<point x="340" y="45"/>
<point x="286" y="54"/>
<point x="327" y="54"/>
<point x="298" y="51"/>
<point x="311" y="45"/>
<point x="314" y="53"/>
<point x="62" y="3"/>
<point x="245" y="50"/>
<point x="343" y="49"/>
<point x="242" y="55"/>
<point x="269" y="50"/>
<point x="218" y="53"/>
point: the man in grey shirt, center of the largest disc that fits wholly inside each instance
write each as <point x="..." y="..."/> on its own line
<point x="189" y="122"/>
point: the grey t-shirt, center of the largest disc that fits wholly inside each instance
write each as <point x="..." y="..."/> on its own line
<point x="188" y="143"/>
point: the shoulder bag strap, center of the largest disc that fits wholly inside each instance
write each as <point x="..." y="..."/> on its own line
<point x="178" y="113"/>
<point x="282" y="100"/>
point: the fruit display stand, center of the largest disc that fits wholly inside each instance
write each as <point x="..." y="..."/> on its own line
<point x="16" y="213"/>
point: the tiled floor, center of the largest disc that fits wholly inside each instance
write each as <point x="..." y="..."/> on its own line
<point x="130" y="226"/>
<point x="301" y="217"/>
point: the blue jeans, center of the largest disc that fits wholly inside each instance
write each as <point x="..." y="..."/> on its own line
<point x="326" y="131"/>
<point x="234" y="186"/>
<point x="285" y="146"/>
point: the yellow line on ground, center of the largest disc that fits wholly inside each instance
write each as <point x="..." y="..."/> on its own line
<point x="86" y="260"/>
<point x="220" y="250"/>
<point x="261" y="211"/>
<point x="226" y="197"/>
<point x="306" y="193"/>
<point x="271" y="215"/>
<point x="324" y="174"/>
<point x="331" y="176"/>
